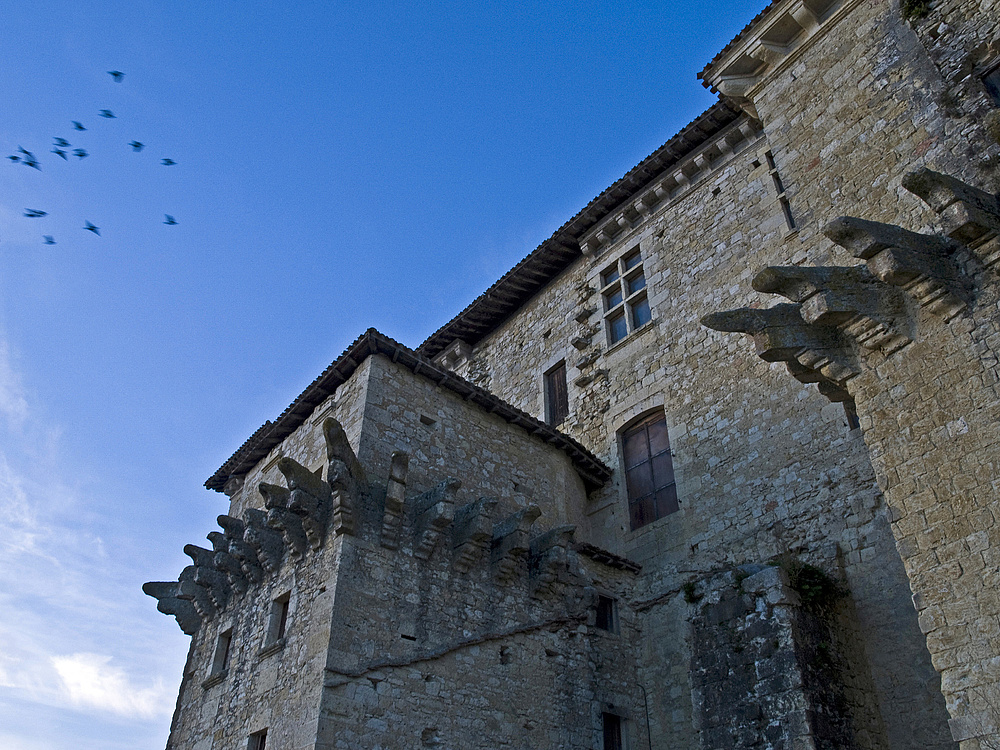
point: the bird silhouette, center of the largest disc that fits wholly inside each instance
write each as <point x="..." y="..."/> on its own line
<point x="34" y="213"/>
<point x="117" y="75"/>
<point x="92" y="228"/>
<point x="77" y="126"/>
<point x="49" y="240"/>
<point x="33" y="163"/>
<point x="26" y="153"/>
<point x="62" y="143"/>
<point x="170" y="220"/>
<point x="80" y="153"/>
<point x="136" y="146"/>
<point x="107" y="113"/>
<point x="59" y="152"/>
<point x="167" y="162"/>
<point x="14" y="158"/>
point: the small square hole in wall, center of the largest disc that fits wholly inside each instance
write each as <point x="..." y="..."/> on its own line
<point x="716" y="191"/>
<point x="755" y="163"/>
<point x="428" y="421"/>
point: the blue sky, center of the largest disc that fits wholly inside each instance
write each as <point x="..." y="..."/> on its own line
<point x="339" y="166"/>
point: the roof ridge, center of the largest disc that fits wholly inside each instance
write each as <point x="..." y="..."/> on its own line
<point x="590" y="468"/>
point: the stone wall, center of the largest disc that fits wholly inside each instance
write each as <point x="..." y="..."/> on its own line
<point x="763" y="465"/>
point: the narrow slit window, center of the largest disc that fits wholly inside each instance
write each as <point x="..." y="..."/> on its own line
<point x="556" y="395"/>
<point x="223" y="648"/>
<point x="278" y="620"/>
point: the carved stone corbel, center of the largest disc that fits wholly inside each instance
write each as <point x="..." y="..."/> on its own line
<point x="279" y="517"/>
<point x="395" y="499"/>
<point x="472" y="532"/>
<point x="208" y="576"/>
<point x="433" y="513"/>
<point x="781" y="335"/>
<point x="510" y="543"/>
<point x="266" y="542"/>
<point x="169" y="603"/>
<point x="190" y="591"/>
<point x="309" y="497"/>
<point x="920" y="264"/>
<point x="851" y="299"/>
<point x="970" y="215"/>
<point x="226" y="564"/>
<point x="549" y="559"/>
<point x="346" y="477"/>
<point x="235" y="530"/>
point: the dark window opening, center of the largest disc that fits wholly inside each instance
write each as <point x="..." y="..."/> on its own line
<point x="605" y="613"/>
<point x="278" y="621"/>
<point x="258" y="740"/>
<point x="612" y="732"/>
<point x="851" y="412"/>
<point x="223" y="647"/>
<point x="649" y="471"/>
<point x="556" y="395"/>
<point x="992" y="83"/>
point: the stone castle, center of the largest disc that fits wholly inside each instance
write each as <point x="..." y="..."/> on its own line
<point x="587" y="513"/>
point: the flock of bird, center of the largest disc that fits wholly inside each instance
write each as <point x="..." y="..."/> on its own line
<point x="61" y="148"/>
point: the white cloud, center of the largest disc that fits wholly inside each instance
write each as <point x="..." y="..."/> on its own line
<point x="91" y="681"/>
<point x="13" y="404"/>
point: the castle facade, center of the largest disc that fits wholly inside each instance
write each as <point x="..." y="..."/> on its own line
<point x="714" y="466"/>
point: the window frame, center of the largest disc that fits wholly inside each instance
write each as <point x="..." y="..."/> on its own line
<point x="618" y="302"/>
<point x="555" y="388"/>
<point x="638" y="502"/>
<point x="223" y="654"/>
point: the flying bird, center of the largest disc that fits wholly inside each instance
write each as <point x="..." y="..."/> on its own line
<point x="167" y="162"/>
<point x="59" y="152"/>
<point x="26" y="153"/>
<point x="170" y="220"/>
<point x="136" y="146"/>
<point x="78" y="126"/>
<point x="32" y="163"/>
<point x="14" y="158"/>
<point x="107" y="113"/>
<point x="34" y="213"/>
<point x="80" y="153"/>
<point x="49" y="240"/>
<point x="91" y="228"/>
<point x="117" y="75"/>
<point x="62" y="143"/>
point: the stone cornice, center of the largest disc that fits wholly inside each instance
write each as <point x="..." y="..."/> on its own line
<point x="774" y="38"/>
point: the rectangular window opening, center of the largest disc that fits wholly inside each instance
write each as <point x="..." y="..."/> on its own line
<point x="258" y="740"/>
<point x="991" y="81"/>
<point x="649" y="471"/>
<point x="626" y="305"/>
<point x="556" y="395"/>
<point x="612" y="732"/>
<point x="606" y="614"/>
<point x="278" y="620"/>
<point x="223" y="647"/>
